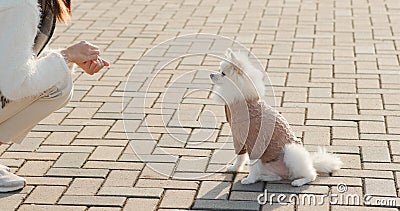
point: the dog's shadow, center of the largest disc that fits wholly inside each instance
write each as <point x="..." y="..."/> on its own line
<point x="224" y="195"/>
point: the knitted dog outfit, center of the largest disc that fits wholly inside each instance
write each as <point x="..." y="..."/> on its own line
<point x="258" y="129"/>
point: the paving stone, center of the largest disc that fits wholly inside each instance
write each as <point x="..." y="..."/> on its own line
<point x="10" y="201"/>
<point x="345" y="132"/>
<point x="84" y="186"/>
<point x="192" y="164"/>
<point x="60" y="138"/>
<point x="65" y="149"/>
<point x="45" y="194"/>
<point x="141" y="204"/>
<point x="208" y="204"/>
<point x="374" y="187"/>
<point x="35" y="168"/>
<point x="121" y="178"/>
<point x="372" y="127"/>
<point x="113" y="165"/>
<point x="203" y="176"/>
<point x="357" y="208"/>
<point x="73" y="160"/>
<point x="244" y="196"/>
<point x="28" y="145"/>
<point x="157" y="170"/>
<point x="93" y="132"/>
<point x="31" y="156"/>
<point x="364" y="173"/>
<point x="70" y="172"/>
<point x="92" y="200"/>
<point x="106" y="153"/>
<point x="237" y="186"/>
<point x="375" y="154"/>
<point x="278" y="207"/>
<point x="321" y="137"/>
<point x="185" y="199"/>
<point x="104" y="209"/>
<point x="213" y="190"/>
<point x="319" y="111"/>
<point x="131" y="192"/>
<point x="54" y="181"/>
<point x="35" y="207"/>
<point x="287" y="188"/>
<point x="171" y="184"/>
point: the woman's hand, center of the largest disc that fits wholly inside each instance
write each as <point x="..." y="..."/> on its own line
<point x="86" y="56"/>
<point x="81" y="52"/>
<point x="93" y="66"/>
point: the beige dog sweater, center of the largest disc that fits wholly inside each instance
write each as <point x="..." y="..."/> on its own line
<point x="258" y="129"/>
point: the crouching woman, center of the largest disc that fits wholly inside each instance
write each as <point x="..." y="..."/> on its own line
<point x="34" y="82"/>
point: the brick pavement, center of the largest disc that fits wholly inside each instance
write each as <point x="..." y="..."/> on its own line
<point x="334" y="66"/>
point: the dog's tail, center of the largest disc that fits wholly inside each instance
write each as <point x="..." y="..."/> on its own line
<point x="325" y="162"/>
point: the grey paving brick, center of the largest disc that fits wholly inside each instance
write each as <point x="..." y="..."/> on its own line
<point x="208" y="204"/>
<point x="131" y="192"/>
<point x="171" y="184"/>
<point x="71" y="172"/>
<point x="213" y="190"/>
<point x="178" y="199"/>
<point x="36" y="207"/>
<point x="376" y="154"/>
<point x="71" y="160"/>
<point x="45" y="194"/>
<point x="84" y="186"/>
<point x="374" y="187"/>
<point x="92" y="200"/>
<point x="141" y="204"/>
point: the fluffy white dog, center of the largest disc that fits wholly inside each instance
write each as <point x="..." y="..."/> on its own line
<point x="260" y="132"/>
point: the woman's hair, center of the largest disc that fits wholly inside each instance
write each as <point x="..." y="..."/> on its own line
<point x="61" y="8"/>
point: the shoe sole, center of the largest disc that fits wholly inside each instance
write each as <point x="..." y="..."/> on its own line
<point x="10" y="189"/>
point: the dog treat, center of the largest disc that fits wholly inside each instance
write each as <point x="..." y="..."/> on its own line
<point x="258" y="129"/>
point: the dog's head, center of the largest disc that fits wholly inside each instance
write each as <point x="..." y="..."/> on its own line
<point x="237" y="79"/>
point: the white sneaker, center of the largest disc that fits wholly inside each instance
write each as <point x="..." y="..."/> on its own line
<point x="10" y="182"/>
<point x="4" y="168"/>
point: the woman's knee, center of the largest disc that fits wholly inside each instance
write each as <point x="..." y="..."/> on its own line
<point x="59" y="94"/>
<point x="66" y="92"/>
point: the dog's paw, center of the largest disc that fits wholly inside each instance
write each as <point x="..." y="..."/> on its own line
<point x="233" y="168"/>
<point x="247" y="181"/>
<point x="302" y="181"/>
<point x="297" y="183"/>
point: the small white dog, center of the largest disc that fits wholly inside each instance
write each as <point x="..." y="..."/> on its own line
<point x="260" y="132"/>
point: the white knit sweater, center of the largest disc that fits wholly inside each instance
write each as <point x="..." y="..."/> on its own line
<point x="21" y="73"/>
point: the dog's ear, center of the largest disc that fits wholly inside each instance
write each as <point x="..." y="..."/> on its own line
<point x="228" y="53"/>
<point x="234" y="58"/>
<point x="236" y="61"/>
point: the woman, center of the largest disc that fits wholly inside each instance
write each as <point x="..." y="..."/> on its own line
<point x="32" y="86"/>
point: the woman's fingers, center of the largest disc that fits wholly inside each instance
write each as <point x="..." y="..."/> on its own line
<point x="105" y="62"/>
<point x="93" y="65"/>
<point x="99" y="65"/>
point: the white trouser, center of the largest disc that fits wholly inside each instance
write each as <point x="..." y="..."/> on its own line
<point x="18" y="118"/>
